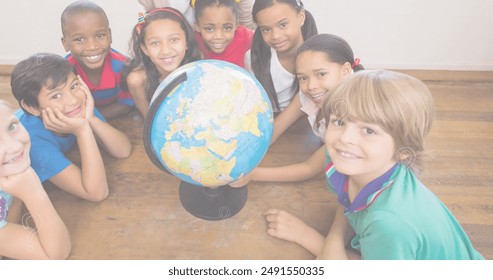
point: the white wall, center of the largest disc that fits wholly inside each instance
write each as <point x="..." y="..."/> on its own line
<point x="34" y="26"/>
<point x="412" y="34"/>
<point x="398" y="34"/>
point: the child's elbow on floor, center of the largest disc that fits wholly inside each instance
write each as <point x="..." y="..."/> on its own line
<point x="126" y="152"/>
<point x="99" y="196"/>
<point x="62" y="254"/>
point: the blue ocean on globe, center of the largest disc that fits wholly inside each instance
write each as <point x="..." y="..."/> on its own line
<point x="214" y="127"/>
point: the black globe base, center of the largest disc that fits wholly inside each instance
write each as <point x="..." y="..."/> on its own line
<point x="212" y="204"/>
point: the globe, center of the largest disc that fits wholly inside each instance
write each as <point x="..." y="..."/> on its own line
<point x="210" y="122"/>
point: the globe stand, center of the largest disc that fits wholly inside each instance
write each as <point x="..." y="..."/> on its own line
<point x="205" y="203"/>
<point x="212" y="204"/>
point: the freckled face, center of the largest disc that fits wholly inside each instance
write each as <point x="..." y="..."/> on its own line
<point x="361" y="150"/>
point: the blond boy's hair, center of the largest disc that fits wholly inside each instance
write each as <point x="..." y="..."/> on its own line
<point x="400" y="104"/>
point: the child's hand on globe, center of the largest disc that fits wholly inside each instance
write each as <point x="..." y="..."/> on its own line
<point x="243" y="181"/>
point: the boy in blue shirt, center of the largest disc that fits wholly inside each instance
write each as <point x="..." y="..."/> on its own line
<point x="57" y="110"/>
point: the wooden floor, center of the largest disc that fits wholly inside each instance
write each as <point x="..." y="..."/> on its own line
<point x="143" y="218"/>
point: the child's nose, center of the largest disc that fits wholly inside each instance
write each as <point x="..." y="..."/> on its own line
<point x="349" y="135"/>
<point x="165" y="48"/>
<point x="70" y="98"/>
<point x="91" y="44"/>
<point x="276" y="33"/>
<point x="312" y="84"/>
<point x="218" y="34"/>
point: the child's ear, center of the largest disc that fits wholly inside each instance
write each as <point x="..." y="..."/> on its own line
<point x="111" y="38"/>
<point x="347" y="69"/>
<point x="30" y="109"/>
<point x="301" y="18"/>
<point x="65" y="44"/>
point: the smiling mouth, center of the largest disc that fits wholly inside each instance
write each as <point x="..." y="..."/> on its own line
<point x="168" y="60"/>
<point x="15" y="159"/>
<point x="217" y="45"/>
<point x="278" y="45"/>
<point x="93" y="58"/>
<point x="347" y="155"/>
<point x="318" y="97"/>
<point x="74" y="112"/>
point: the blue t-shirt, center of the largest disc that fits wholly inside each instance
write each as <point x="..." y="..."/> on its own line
<point x="47" y="149"/>
<point x="396" y="217"/>
<point x="5" y="202"/>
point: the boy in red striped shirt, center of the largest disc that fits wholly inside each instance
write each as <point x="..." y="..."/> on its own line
<point x="87" y="36"/>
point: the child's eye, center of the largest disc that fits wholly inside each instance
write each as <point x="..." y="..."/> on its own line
<point x="228" y="28"/>
<point x="174" y="40"/>
<point x="337" y="122"/>
<point x="368" y="131"/>
<point x="283" y="24"/>
<point x="74" y="86"/>
<point x="14" y="126"/>
<point x="302" y="78"/>
<point x="322" y="74"/>
<point x="264" y="29"/>
<point x="154" y="43"/>
<point x="209" y="29"/>
<point x="79" y="40"/>
<point x="99" y="36"/>
<point x="56" y="96"/>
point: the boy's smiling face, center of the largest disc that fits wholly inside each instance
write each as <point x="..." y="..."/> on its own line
<point x="361" y="150"/>
<point x="69" y="98"/>
<point x="88" y="37"/>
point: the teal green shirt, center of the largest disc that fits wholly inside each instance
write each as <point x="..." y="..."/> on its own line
<point x="402" y="220"/>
